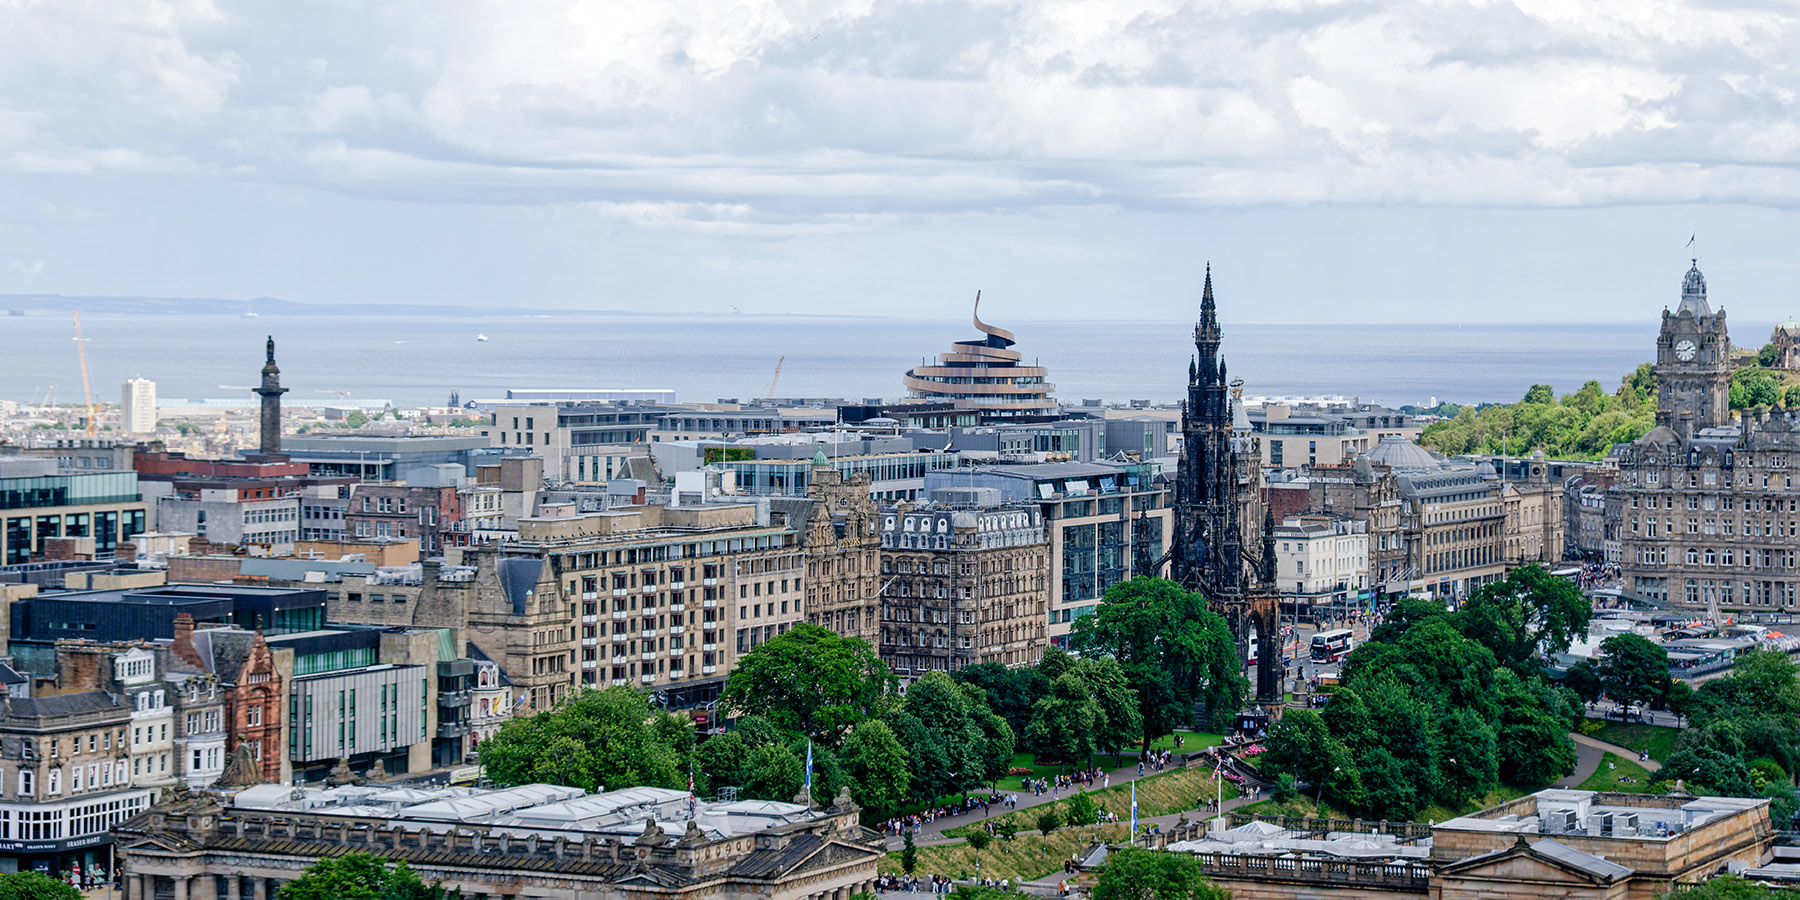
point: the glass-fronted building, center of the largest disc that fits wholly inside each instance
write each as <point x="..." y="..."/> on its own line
<point x="105" y="506"/>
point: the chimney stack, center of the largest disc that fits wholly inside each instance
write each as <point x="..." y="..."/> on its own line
<point x="183" y="645"/>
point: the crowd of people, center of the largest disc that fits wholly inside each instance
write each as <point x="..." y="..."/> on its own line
<point x="917" y="821"/>
<point x="1157" y="760"/>
<point x="1087" y="778"/>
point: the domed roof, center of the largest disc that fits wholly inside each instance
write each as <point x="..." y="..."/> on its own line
<point x="1486" y="469"/>
<point x="1693" y="293"/>
<point x="1400" y="453"/>
<point x="1787" y="325"/>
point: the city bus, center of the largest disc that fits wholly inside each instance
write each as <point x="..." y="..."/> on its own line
<point x="1331" y="646"/>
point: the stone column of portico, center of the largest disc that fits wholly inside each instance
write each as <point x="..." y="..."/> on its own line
<point x="259" y="888"/>
<point x="134" y="887"/>
<point x="234" y="886"/>
<point x="181" y="886"/>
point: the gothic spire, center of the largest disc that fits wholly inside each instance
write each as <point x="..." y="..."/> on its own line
<point x="1209" y="312"/>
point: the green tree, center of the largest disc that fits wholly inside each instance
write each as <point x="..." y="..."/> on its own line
<point x="1062" y="724"/>
<point x="992" y="755"/>
<point x="1754" y="387"/>
<point x="1768" y="356"/>
<point x="1471" y="756"/>
<point x="1006" y="827"/>
<point x="1532" y="733"/>
<point x="809" y="680"/>
<point x="1133" y="873"/>
<point x="941" y="705"/>
<point x="35" y="886"/>
<point x="598" y="739"/>
<point x="979" y="839"/>
<point x="1527" y="613"/>
<point x="1730" y="887"/>
<point x="1048" y="820"/>
<point x="1119" y="720"/>
<point x="1301" y="746"/>
<point x="1389" y="790"/>
<point x="909" y="855"/>
<point x="1540" y="393"/>
<point x="1174" y="650"/>
<point x="773" y="772"/>
<point x="1010" y="691"/>
<point x="1584" y="679"/>
<point x="1403" y="615"/>
<point x="877" y="767"/>
<point x="1633" y="669"/>
<point x="359" y="876"/>
<point x="1082" y="809"/>
<point x="356" y="418"/>
<point x="1791" y="399"/>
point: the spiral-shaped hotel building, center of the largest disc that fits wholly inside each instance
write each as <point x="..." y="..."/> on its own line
<point x="985" y="375"/>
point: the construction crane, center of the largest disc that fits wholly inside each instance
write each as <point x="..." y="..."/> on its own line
<point x="86" y="389"/>
<point x="777" y="378"/>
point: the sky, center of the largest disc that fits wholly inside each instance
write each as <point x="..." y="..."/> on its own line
<point x="1534" y="160"/>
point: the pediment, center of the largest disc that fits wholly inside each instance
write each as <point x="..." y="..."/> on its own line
<point x="1520" y="866"/>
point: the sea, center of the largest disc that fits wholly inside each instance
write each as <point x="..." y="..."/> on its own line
<point x="420" y="360"/>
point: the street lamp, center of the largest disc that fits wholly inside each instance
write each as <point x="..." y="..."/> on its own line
<point x="1320" y="795"/>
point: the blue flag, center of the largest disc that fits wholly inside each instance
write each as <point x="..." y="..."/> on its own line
<point x="809" y="768"/>
<point x="1134" y="808"/>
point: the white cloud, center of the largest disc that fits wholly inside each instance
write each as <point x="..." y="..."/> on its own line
<point x="1529" y="102"/>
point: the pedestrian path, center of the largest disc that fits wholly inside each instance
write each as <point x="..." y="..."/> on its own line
<point x="1590" y="751"/>
<point x="933" y="831"/>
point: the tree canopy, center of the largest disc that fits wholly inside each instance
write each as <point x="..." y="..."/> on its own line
<point x="1443" y="706"/>
<point x="1133" y="873"/>
<point x="35" y="886"/>
<point x="1582" y="425"/>
<point x="598" y="739"/>
<point x="359" y="876"/>
<point x="1174" y="651"/>
<point x="809" y="681"/>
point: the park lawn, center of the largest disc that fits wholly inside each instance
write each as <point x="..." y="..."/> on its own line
<point x="1194" y="741"/>
<point x="1163" y="794"/>
<point x="1028" y="856"/>
<point x="1660" y="741"/>
<point x="1612" y="768"/>
<point x="1043" y="770"/>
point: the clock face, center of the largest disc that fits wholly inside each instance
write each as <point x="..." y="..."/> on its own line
<point x="1684" y="351"/>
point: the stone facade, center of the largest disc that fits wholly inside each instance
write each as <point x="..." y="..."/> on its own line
<point x="193" y="849"/>
<point x="1706" y="506"/>
<point x="966" y="582"/>
<point x="1534" y="524"/>
<point x="843" y="548"/>
<point x="646" y="596"/>
<point x="426" y="512"/>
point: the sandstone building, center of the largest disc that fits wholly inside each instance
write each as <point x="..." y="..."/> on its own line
<point x="1706" y="502"/>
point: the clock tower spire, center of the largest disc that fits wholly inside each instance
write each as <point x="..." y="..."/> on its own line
<point x="1693" y="361"/>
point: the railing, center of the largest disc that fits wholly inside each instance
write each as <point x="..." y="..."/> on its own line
<point x="1410" y="876"/>
<point x="1322" y="824"/>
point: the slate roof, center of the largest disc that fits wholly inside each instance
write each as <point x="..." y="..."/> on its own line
<point x="61" y="705"/>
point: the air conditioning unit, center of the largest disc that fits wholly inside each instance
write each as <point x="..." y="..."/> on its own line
<point x="1625" y="825"/>
<point x="1559" y="821"/>
<point x="1600" y="824"/>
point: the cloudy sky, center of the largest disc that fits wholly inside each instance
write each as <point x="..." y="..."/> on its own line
<point x="1341" y="161"/>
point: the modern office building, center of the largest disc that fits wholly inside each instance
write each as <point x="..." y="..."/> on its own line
<point x="987" y="376"/>
<point x="39" y="506"/>
<point x="412" y="458"/>
<point x="137" y="406"/>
